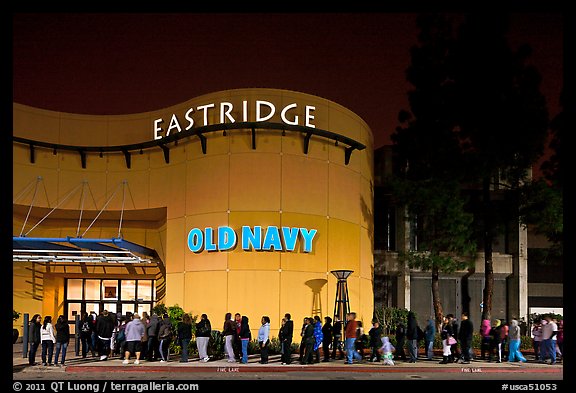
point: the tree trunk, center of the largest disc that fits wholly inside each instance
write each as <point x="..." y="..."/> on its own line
<point x="438" y="312"/>
<point x="488" y="239"/>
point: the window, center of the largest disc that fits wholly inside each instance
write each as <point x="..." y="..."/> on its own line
<point x="128" y="290"/>
<point x="75" y="289"/>
<point x="110" y="289"/>
<point x="145" y="290"/>
<point x="92" y="290"/>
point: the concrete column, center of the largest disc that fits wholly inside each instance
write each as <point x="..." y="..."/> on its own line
<point x="403" y="245"/>
<point x="518" y="281"/>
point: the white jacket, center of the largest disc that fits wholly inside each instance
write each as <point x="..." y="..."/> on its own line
<point x="48" y="333"/>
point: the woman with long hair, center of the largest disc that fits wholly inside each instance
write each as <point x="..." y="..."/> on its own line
<point x="62" y="338"/>
<point x="34" y="334"/>
<point x="48" y="339"/>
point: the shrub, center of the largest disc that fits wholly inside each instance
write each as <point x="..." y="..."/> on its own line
<point x="390" y="317"/>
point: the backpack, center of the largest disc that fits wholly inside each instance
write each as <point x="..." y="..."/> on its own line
<point x="85" y="327"/>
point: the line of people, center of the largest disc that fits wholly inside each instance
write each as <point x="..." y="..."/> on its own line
<point x="149" y="337"/>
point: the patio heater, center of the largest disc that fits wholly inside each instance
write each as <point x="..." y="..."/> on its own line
<point x="342" y="302"/>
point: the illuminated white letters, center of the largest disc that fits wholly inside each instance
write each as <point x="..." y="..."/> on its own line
<point x="257" y="238"/>
<point x="261" y="111"/>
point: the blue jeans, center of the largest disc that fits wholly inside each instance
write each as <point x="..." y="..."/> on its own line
<point x="413" y="349"/>
<point x="514" y="351"/>
<point x="550" y="350"/>
<point x="429" y="349"/>
<point x="59" y="346"/>
<point x="47" y="346"/>
<point x="351" y="353"/>
<point x="184" y="355"/>
<point x="32" y="353"/>
<point x="244" y="351"/>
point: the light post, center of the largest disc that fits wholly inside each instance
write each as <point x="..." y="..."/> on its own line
<point x="342" y="302"/>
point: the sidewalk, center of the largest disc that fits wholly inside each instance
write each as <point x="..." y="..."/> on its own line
<point x="75" y="364"/>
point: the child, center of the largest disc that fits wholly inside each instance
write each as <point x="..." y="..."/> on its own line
<point x="387" y="349"/>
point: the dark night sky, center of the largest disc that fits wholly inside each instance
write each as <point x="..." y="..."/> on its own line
<point x="129" y="63"/>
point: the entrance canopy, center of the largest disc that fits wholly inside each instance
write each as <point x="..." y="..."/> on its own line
<point x="72" y="249"/>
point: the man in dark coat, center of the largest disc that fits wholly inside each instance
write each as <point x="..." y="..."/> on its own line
<point x="337" y="339"/>
<point x="309" y="341"/>
<point x="287" y="334"/>
<point x="412" y="336"/>
<point x="152" y="344"/>
<point x="104" y="329"/>
<point x="465" y="338"/>
<point x="400" y="339"/>
<point x="326" y="338"/>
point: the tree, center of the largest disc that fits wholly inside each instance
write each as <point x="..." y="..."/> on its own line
<point x="501" y="116"/>
<point x="428" y="153"/>
<point x="542" y="199"/>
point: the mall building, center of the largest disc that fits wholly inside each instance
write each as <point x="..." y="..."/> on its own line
<point x="237" y="201"/>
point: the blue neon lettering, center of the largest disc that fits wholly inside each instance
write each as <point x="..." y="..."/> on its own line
<point x="210" y="246"/>
<point x="290" y="237"/>
<point x="308" y="236"/>
<point x="226" y="238"/>
<point x="272" y="239"/>
<point x="251" y="238"/>
<point x="195" y="240"/>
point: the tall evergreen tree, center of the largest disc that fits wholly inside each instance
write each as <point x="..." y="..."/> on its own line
<point x="502" y="116"/>
<point x="428" y="153"/>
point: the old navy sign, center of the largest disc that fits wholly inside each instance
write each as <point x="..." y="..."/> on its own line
<point x="263" y="111"/>
<point x="257" y="238"/>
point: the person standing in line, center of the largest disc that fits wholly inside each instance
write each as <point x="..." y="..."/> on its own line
<point x="145" y="319"/>
<point x="308" y="340"/>
<point x="104" y="328"/>
<point x="203" y="332"/>
<point x="237" y="344"/>
<point x="465" y="336"/>
<point x="536" y="339"/>
<point x="400" y="338"/>
<point x="287" y="334"/>
<point x="134" y="332"/>
<point x="337" y="342"/>
<point x="264" y="339"/>
<point x="326" y="338"/>
<point x="152" y="344"/>
<point x="62" y="339"/>
<point x="94" y="336"/>
<point x="302" y="348"/>
<point x="34" y="338"/>
<point x="455" y="354"/>
<point x="495" y="342"/>
<point x="318" y="337"/>
<point x="445" y="335"/>
<point x="429" y="335"/>
<point x="504" y="338"/>
<point x="412" y="336"/>
<point x="351" y="334"/>
<point x="245" y="337"/>
<point x="228" y="331"/>
<point x="486" y="339"/>
<point x="48" y="339"/>
<point x="359" y="343"/>
<point x="121" y="337"/>
<point x="548" y="331"/>
<point x="560" y="338"/>
<point x="184" y="336"/>
<point x="165" y="337"/>
<point x="514" y="353"/>
<point x="375" y="335"/>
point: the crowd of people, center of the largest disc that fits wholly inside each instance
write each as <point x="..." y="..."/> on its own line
<point x="149" y="337"/>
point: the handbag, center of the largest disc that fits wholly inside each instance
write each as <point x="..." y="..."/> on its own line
<point x="451" y="340"/>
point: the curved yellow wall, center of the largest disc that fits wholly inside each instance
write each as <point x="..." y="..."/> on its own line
<point x="232" y="185"/>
